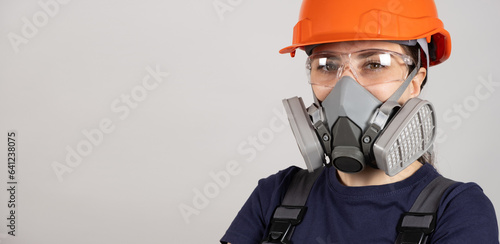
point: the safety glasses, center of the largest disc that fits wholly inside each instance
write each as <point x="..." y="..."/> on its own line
<point x="369" y="67"/>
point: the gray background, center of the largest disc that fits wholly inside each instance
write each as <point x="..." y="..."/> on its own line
<point x="219" y="110"/>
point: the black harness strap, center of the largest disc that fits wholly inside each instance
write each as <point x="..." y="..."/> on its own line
<point x="416" y="225"/>
<point x="292" y="209"/>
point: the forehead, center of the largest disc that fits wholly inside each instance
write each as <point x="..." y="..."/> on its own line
<point x="353" y="46"/>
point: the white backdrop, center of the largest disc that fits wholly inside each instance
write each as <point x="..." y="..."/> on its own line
<point x="152" y="121"/>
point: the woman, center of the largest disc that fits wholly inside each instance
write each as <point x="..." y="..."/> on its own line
<point x="367" y="59"/>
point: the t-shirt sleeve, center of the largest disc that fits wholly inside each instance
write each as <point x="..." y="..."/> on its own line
<point x="250" y="223"/>
<point x="466" y="215"/>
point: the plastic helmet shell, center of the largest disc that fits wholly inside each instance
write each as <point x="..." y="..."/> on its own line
<point x="327" y="21"/>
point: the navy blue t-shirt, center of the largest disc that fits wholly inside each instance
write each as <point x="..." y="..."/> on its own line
<point x="341" y="214"/>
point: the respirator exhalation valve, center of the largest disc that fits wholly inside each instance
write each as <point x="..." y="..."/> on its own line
<point x="346" y="155"/>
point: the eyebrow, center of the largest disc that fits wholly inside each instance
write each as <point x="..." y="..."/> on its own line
<point x="367" y="53"/>
<point x="334" y="56"/>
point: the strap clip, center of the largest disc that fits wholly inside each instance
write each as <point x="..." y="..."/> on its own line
<point x="284" y="220"/>
<point x="415" y="227"/>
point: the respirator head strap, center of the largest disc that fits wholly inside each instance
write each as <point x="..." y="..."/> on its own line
<point x="402" y="88"/>
<point x="383" y="114"/>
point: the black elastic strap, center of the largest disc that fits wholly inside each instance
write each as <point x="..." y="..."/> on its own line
<point x="416" y="225"/>
<point x="299" y="188"/>
<point x="292" y="209"/>
<point x="429" y="198"/>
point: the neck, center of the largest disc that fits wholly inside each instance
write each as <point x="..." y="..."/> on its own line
<point x="374" y="177"/>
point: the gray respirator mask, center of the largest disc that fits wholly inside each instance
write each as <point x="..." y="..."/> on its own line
<point x="351" y="128"/>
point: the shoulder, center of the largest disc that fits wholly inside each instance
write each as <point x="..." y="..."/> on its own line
<point x="466" y="215"/>
<point x="272" y="188"/>
<point x="279" y="179"/>
<point x="250" y="223"/>
<point x="466" y="196"/>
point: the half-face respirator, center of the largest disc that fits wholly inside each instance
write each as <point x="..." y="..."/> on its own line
<point x="351" y="128"/>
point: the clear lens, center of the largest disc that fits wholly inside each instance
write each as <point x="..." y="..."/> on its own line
<point x="369" y="67"/>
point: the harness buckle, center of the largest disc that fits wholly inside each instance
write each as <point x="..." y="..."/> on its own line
<point x="414" y="228"/>
<point x="284" y="220"/>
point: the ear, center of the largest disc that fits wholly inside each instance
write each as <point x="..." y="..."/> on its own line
<point x="416" y="83"/>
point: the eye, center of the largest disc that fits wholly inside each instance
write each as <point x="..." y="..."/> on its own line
<point x="327" y="65"/>
<point x="374" y="61"/>
<point x="374" y="66"/>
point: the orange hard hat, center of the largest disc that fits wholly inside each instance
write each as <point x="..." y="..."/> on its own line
<point x="326" y="21"/>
